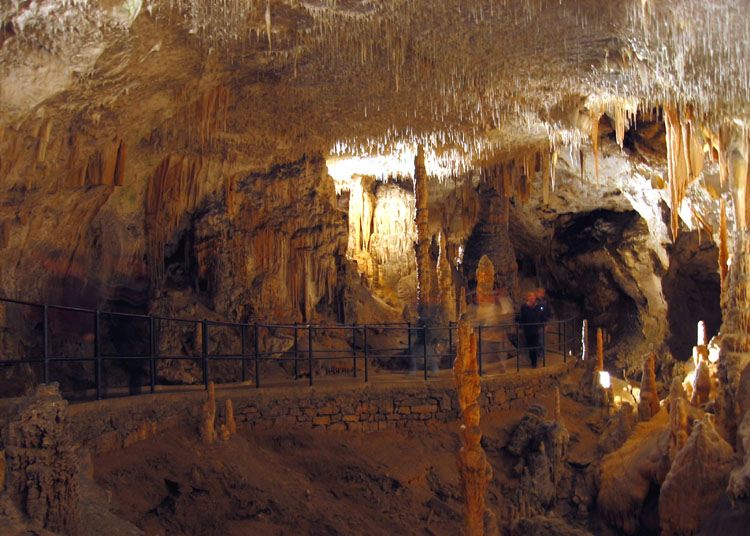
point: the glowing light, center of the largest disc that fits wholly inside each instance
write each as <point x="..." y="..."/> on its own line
<point x="397" y="161"/>
<point x="604" y="379"/>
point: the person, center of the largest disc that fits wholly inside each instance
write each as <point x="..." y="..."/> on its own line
<point x="530" y="321"/>
<point x="543" y="314"/>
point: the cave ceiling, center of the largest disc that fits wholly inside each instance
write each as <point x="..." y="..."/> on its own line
<point x="473" y="80"/>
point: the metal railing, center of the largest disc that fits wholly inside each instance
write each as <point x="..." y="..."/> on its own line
<point x="100" y="349"/>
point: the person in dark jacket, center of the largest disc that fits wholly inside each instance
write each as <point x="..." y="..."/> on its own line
<point x="532" y="326"/>
<point x="543" y="314"/>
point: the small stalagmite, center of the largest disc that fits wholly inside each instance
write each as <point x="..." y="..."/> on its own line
<point x="474" y="469"/>
<point x="445" y="282"/>
<point x="649" y="404"/>
<point x="231" y="424"/>
<point x="208" y="417"/>
<point x="701" y="383"/>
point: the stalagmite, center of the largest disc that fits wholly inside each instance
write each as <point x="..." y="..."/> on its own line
<point x="447" y="291"/>
<point x="599" y="350"/>
<point x="649" y="404"/>
<point x="696" y="481"/>
<point x="474" y="469"/>
<point x="422" y="246"/>
<point x="229" y="417"/>
<point x="208" y="417"/>
<point x="679" y="429"/>
<point x="701" y="382"/>
<point x="485" y="282"/>
<point x="558" y="410"/>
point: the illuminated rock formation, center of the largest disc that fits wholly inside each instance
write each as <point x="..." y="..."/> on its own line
<point x="702" y="466"/>
<point x="474" y="469"/>
<point x="679" y="429"/>
<point x="649" y="404"/>
<point x="628" y="474"/>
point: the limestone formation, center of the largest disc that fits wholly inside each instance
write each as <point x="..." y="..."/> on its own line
<point x="2" y="470"/>
<point x="702" y="466"/>
<point x="701" y="384"/>
<point x="649" y="404"/>
<point x="628" y="474"/>
<point x="208" y="417"/>
<point x="229" y="417"/>
<point x="446" y="288"/>
<point x="424" y="238"/>
<point x="738" y="488"/>
<point x="42" y="461"/>
<point x="474" y="469"/>
<point x="679" y="429"/>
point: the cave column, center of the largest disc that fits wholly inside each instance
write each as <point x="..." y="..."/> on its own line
<point x="422" y="246"/>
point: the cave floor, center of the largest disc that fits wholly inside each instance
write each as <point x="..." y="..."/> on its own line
<point x="290" y="480"/>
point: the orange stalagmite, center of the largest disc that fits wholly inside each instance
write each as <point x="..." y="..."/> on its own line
<point x="599" y="350"/>
<point x="473" y="468"/>
<point x="422" y="246"/>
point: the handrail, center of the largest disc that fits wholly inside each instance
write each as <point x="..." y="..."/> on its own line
<point x="146" y="349"/>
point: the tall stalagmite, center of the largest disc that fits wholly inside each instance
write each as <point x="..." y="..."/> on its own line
<point x="422" y="246"/>
<point x="474" y="469"/>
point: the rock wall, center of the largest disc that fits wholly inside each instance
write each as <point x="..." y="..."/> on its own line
<point x="116" y="423"/>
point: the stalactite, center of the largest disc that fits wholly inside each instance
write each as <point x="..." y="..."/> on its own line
<point x="596" y="115"/>
<point x="206" y="115"/>
<point x="122" y="158"/>
<point x="474" y="469"/>
<point x="723" y="248"/>
<point x="43" y="140"/>
<point x="173" y="190"/>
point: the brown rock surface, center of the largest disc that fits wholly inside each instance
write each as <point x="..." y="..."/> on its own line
<point x="702" y="466"/>
<point x="43" y="462"/>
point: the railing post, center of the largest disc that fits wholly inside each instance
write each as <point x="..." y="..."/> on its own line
<point x="243" y="351"/>
<point x="310" y="352"/>
<point x="204" y="330"/>
<point x="257" y="358"/>
<point x="46" y="343"/>
<point x="479" y="349"/>
<point x="364" y="343"/>
<point x="152" y="351"/>
<point x="518" y="348"/>
<point x="424" y="349"/>
<point x="565" y="340"/>
<point x="98" y="355"/>
<point x="354" y="348"/>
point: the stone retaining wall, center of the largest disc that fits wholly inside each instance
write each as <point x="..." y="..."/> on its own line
<point x="116" y="423"/>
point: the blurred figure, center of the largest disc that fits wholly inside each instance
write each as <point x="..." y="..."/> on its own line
<point x="532" y="326"/>
<point x="543" y="313"/>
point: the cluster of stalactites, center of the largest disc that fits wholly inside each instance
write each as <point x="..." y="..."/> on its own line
<point x="514" y="177"/>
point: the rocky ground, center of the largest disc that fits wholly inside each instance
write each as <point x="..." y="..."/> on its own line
<point x="294" y="481"/>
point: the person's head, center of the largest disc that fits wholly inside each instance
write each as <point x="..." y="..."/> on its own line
<point x="540" y="293"/>
<point x="530" y="298"/>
